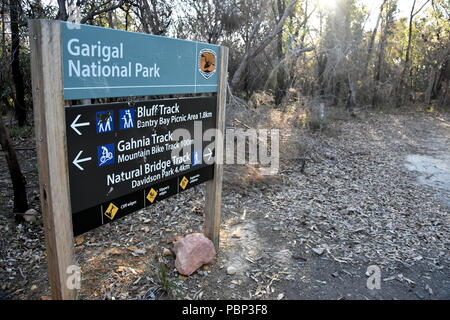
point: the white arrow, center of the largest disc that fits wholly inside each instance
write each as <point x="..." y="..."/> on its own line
<point x="209" y="154"/>
<point x="76" y="161"/>
<point x="74" y="124"/>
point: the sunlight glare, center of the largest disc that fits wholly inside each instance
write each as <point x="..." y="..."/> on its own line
<point x="327" y="4"/>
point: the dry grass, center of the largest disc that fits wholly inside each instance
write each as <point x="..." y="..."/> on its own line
<point x="297" y="120"/>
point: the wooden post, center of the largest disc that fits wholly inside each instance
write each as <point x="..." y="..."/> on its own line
<point x="49" y="120"/>
<point x="214" y="187"/>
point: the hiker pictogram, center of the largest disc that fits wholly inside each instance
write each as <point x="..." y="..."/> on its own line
<point x="126" y="119"/>
<point x="104" y="121"/>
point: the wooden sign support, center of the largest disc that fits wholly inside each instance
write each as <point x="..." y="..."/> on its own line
<point x="50" y="126"/>
<point x="213" y="204"/>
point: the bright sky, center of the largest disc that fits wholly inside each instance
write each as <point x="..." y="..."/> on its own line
<point x="404" y="9"/>
<point x="404" y="6"/>
<point x="373" y="5"/>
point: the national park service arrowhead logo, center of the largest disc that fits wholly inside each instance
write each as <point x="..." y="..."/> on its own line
<point x="207" y="63"/>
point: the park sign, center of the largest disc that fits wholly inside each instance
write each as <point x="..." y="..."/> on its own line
<point x="126" y="156"/>
<point x="101" y="62"/>
<point x="99" y="162"/>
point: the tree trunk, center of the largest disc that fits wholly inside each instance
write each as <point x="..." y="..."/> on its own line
<point x="19" y="101"/>
<point x="17" y="178"/>
<point x="379" y="66"/>
<point x="110" y="19"/>
<point x="372" y="39"/>
<point x="445" y="94"/>
<point x="321" y="64"/>
<point x="351" y="96"/>
<point x="253" y="51"/>
<point x="145" y="15"/>
<point x="336" y="93"/>
<point x="401" y="83"/>
<point x="62" y="11"/>
<point x="399" y="91"/>
<point x="280" y="87"/>
<point x="443" y="75"/>
<point x="430" y="87"/>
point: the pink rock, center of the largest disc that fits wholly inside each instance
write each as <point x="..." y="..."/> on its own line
<point x="193" y="251"/>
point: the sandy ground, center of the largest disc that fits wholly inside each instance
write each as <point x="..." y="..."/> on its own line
<point x="433" y="165"/>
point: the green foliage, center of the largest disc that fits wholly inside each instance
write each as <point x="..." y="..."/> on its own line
<point x="19" y="132"/>
<point x="168" y="285"/>
<point x="338" y="33"/>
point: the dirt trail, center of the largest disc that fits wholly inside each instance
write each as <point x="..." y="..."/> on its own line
<point x="313" y="236"/>
<point x="293" y="236"/>
<point x="433" y="164"/>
